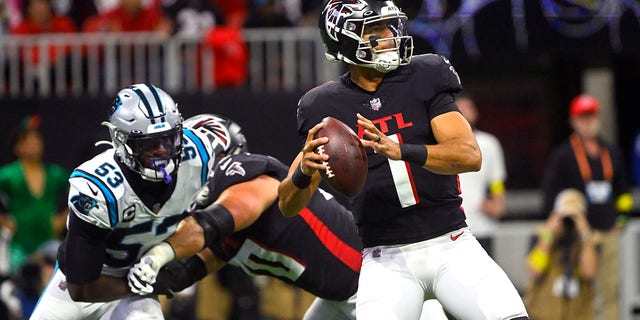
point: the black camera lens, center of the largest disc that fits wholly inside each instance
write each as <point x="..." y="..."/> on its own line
<point x="568" y="223"/>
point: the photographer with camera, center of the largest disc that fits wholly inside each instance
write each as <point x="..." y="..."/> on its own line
<point x="563" y="262"/>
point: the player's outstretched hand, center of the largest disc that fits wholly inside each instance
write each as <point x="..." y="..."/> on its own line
<point x="142" y="276"/>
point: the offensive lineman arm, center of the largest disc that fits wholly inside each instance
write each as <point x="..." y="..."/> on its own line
<point x="244" y="201"/>
<point x="292" y="198"/>
<point x="178" y="275"/>
<point x="457" y="150"/>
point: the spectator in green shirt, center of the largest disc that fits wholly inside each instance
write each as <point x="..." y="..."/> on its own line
<point x="33" y="193"/>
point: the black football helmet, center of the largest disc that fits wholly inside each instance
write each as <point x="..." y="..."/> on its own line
<point x="343" y="22"/>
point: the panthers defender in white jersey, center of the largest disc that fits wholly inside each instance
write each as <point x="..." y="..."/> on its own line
<point x="123" y="202"/>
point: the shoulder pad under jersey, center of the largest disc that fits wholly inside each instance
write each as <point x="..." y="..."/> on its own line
<point x="94" y="188"/>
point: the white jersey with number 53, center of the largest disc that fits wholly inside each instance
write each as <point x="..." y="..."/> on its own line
<point x="101" y="196"/>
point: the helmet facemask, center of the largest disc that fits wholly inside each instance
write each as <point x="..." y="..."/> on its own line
<point x="397" y="51"/>
<point x="155" y="155"/>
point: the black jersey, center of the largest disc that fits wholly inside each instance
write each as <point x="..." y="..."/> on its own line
<point x="318" y="250"/>
<point x="401" y="202"/>
<point x="562" y="172"/>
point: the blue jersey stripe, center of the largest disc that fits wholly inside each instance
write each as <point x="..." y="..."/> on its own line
<point x="146" y="104"/>
<point x="202" y="151"/>
<point x="112" y="204"/>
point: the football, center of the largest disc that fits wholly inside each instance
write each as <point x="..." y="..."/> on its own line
<point x="347" y="165"/>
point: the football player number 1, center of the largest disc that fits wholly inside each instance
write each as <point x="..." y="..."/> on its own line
<point x="402" y="178"/>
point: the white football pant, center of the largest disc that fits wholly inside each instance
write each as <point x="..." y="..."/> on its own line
<point x="396" y="280"/>
<point x="56" y="304"/>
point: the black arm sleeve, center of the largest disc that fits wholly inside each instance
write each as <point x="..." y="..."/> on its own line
<point x="217" y="222"/>
<point x="82" y="252"/>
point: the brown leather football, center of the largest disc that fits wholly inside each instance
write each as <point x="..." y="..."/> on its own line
<point x="347" y="165"/>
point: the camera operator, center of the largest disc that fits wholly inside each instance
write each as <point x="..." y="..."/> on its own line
<point x="563" y="263"/>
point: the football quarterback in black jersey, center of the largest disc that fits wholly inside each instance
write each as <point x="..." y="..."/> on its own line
<point x="317" y="250"/>
<point x="417" y="244"/>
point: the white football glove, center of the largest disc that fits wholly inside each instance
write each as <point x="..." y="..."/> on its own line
<point x="142" y="276"/>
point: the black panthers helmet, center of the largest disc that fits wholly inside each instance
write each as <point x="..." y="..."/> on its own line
<point x="342" y="23"/>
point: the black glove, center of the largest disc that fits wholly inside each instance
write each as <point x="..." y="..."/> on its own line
<point x="176" y="276"/>
<point x="173" y="277"/>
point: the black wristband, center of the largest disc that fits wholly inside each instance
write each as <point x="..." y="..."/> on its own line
<point x="414" y="153"/>
<point x="197" y="268"/>
<point x="216" y="221"/>
<point x="299" y="179"/>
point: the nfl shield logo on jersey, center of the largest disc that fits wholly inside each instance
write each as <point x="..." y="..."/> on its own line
<point x="375" y="104"/>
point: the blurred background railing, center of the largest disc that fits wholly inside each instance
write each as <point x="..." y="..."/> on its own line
<point x="272" y="59"/>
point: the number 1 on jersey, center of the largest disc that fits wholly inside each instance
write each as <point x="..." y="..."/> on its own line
<point x="403" y="179"/>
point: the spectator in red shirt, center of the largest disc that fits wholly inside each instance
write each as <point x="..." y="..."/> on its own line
<point x="129" y="16"/>
<point x="39" y="18"/>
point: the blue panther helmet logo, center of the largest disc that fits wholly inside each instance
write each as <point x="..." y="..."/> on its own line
<point x="115" y="105"/>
